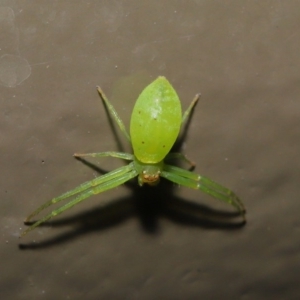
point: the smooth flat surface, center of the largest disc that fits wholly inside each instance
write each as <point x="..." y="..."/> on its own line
<point x="167" y="242"/>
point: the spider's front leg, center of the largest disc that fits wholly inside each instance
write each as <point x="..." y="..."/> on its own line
<point x="206" y="185"/>
<point x="84" y="191"/>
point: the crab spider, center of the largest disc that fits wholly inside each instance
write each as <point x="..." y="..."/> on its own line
<point x="154" y="127"/>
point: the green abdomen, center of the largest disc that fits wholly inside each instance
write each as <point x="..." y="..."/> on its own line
<point x="155" y="121"/>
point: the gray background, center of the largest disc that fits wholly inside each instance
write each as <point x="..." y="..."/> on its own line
<point x="133" y="243"/>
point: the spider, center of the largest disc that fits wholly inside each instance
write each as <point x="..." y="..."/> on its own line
<point x="154" y="127"/>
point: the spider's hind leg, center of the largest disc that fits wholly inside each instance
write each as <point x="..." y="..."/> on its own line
<point x="190" y="108"/>
<point x="113" y="113"/>
<point x="178" y="155"/>
<point x="122" y="155"/>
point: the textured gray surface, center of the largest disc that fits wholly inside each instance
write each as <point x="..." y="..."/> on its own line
<point x="131" y="243"/>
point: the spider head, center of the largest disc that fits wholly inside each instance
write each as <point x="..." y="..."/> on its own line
<point x="148" y="173"/>
<point x="149" y="178"/>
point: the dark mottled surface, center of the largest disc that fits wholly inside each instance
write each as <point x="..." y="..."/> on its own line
<point x="168" y="242"/>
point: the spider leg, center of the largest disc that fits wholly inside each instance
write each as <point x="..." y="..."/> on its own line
<point x="83" y="191"/>
<point x="178" y="155"/>
<point x="206" y="185"/>
<point x="113" y="113"/>
<point x="122" y="155"/>
<point x="82" y="187"/>
<point x="190" y="108"/>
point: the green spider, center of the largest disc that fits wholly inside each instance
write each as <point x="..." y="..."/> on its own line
<point x="154" y="127"/>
